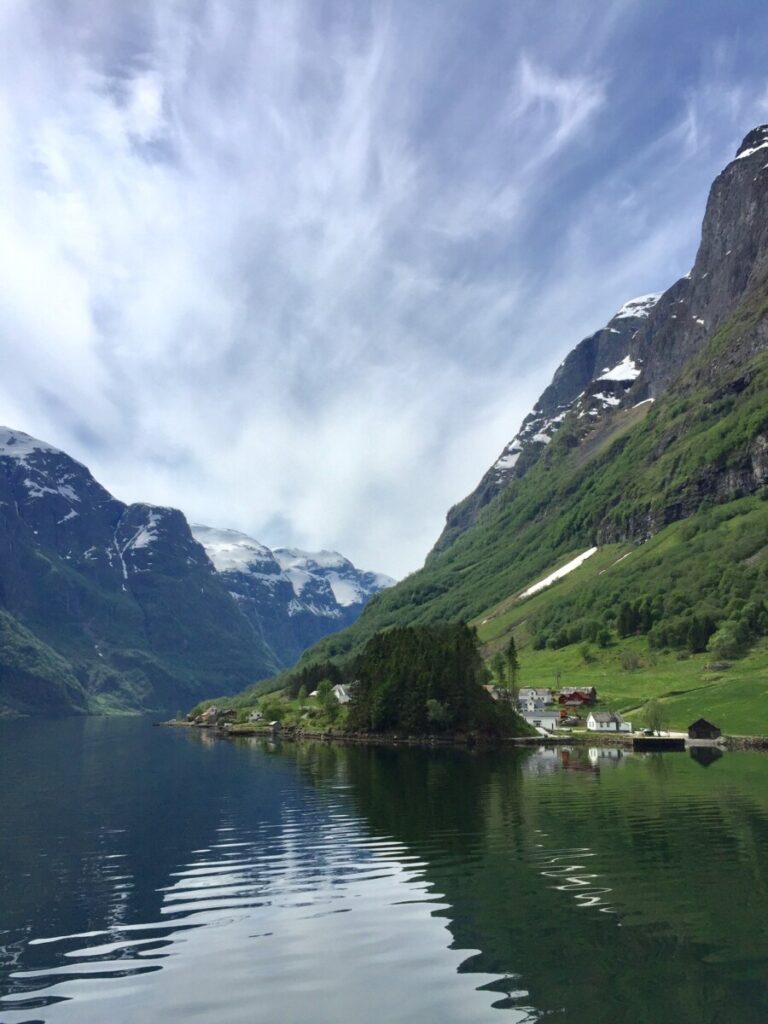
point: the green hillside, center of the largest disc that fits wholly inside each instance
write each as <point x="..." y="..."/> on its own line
<point x="691" y="457"/>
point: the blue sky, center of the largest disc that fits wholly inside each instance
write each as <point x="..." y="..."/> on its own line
<point x="301" y="269"/>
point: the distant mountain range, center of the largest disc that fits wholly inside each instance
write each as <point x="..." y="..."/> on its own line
<point x="111" y="607"/>
<point x="295" y="597"/>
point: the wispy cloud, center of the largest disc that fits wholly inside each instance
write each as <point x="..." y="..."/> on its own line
<point x="302" y="268"/>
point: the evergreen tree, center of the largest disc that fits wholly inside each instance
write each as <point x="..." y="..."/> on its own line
<point x="513" y="665"/>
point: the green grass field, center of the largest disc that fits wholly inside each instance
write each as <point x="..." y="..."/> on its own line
<point x="735" y="698"/>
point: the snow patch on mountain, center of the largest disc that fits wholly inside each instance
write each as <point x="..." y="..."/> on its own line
<point x="754" y="142"/>
<point x="627" y="369"/>
<point x="147" y="534"/>
<point x="640" y="306"/>
<point x="559" y="573"/>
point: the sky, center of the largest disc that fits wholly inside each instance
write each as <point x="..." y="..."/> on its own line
<point x="302" y="268"/>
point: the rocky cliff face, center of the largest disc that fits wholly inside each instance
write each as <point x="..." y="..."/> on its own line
<point x="643" y="348"/>
<point x="293" y="597"/>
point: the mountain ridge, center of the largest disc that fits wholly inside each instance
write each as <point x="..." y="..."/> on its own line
<point x="659" y="333"/>
<point x="107" y="606"/>
<point x="298" y="596"/>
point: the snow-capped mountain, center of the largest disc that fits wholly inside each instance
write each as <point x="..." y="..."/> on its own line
<point x="107" y="606"/>
<point x="104" y="605"/>
<point x="640" y="351"/>
<point x="295" y="596"/>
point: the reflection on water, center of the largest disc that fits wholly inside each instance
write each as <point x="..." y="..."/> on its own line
<point x="152" y="875"/>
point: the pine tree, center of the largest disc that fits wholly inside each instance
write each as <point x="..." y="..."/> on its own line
<point x="513" y="665"/>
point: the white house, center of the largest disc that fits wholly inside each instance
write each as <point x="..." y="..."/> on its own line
<point x="529" y="704"/>
<point x="607" y="721"/>
<point x="548" y="720"/>
<point x="341" y="693"/>
<point x="540" y="694"/>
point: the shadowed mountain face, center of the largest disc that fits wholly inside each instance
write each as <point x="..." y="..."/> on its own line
<point x="106" y="606"/>
<point x="642" y="349"/>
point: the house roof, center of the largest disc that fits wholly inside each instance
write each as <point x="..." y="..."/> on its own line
<point x="606" y="716"/>
<point x="704" y="722"/>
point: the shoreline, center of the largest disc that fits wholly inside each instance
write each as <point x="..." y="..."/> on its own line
<point x="467" y="741"/>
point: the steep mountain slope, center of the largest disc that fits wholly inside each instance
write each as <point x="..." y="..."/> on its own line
<point x="294" y="597"/>
<point x="643" y="347"/>
<point x="105" y="605"/>
<point x="598" y="372"/>
<point x="615" y="466"/>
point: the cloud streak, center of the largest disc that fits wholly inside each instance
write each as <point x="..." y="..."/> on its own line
<point x="301" y="269"/>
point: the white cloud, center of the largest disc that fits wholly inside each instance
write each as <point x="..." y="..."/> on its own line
<point x="292" y="269"/>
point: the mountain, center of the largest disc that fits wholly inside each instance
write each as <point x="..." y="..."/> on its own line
<point x="295" y="597"/>
<point x="107" y="606"/>
<point x="640" y="351"/>
<point x="659" y="417"/>
<point x="110" y="607"/>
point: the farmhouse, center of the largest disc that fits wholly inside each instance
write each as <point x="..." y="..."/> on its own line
<point x="341" y="693"/>
<point x="607" y="721"/>
<point x="701" y="729"/>
<point x="540" y="694"/>
<point x="530" y="704"/>
<point x="577" y="695"/>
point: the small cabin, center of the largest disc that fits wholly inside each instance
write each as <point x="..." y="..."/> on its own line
<point x="255" y="716"/>
<point x="701" y="729"/>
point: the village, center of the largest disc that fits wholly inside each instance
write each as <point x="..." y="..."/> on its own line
<point x="572" y="708"/>
<point x="556" y="714"/>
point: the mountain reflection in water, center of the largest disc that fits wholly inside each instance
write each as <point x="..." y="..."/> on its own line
<point x="155" y="874"/>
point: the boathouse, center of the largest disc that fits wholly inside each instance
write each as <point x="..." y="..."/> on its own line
<point x="701" y="729"/>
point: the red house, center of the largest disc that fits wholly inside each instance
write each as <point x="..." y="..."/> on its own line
<point x="576" y="696"/>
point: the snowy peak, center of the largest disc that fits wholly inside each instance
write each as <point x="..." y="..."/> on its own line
<point x="294" y="558"/>
<point x="317" y="583"/>
<point x="756" y="140"/>
<point x="350" y="586"/>
<point x="231" y="551"/>
<point x="600" y="388"/>
<point x="14" y="444"/>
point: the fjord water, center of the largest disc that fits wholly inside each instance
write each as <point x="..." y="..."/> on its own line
<point x="159" y="875"/>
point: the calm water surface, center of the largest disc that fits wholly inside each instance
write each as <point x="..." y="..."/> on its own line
<point x="154" y="875"/>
